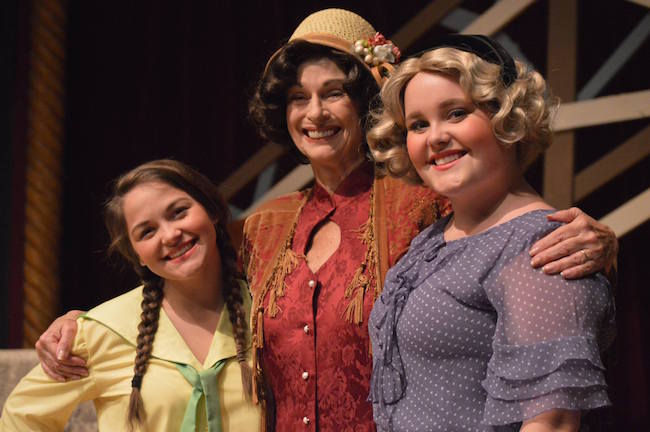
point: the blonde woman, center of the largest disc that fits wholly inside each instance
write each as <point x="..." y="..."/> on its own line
<point x="466" y="335"/>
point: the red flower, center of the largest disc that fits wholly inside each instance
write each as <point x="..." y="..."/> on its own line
<point x="377" y="39"/>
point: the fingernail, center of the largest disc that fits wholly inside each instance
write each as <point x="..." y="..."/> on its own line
<point x="534" y="262"/>
<point x="547" y="269"/>
<point x="59" y="355"/>
<point x="533" y="250"/>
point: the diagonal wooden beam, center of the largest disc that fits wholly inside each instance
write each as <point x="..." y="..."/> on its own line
<point x="630" y="215"/>
<point x="612" y="164"/>
<point x="603" y="110"/>
<point x="293" y="181"/>
<point x="645" y="3"/>
<point x="632" y="42"/>
<point x="250" y="169"/>
<point x="497" y="17"/>
<point x="422" y="22"/>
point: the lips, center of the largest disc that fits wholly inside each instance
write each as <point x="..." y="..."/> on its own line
<point x="182" y="250"/>
<point x="447" y="157"/>
<point x="321" y="133"/>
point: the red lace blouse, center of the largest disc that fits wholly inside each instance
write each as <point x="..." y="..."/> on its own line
<point x="318" y="364"/>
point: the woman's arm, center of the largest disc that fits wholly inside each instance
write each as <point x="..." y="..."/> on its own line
<point x="555" y="420"/>
<point x="545" y="355"/>
<point x="581" y="247"/>
<point x="53" y="349"/>
<point x="39" y="403"/>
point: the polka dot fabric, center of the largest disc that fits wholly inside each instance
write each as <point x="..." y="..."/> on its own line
<point x="467" y="336"/>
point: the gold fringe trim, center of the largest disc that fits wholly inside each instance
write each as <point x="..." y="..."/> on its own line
<point x="358" y="286"/>
<point x="287" y="263"/>
<point x="258" y="344"/>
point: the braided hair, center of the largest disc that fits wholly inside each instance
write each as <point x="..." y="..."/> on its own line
<point x="201" y="189"/>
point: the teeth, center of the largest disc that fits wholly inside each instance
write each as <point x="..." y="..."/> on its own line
<point x="446" y="159"/>
<point x="320" y="134"/>
<point x="181" y="251"/>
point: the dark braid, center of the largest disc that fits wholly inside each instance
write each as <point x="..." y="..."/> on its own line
<point x="233" y="299"/>
<point x="152" y="295"/>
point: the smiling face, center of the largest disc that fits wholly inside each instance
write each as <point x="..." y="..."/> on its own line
<point x="322" y="119"/>
<point x="450" y="142"/>
<point x="170" y="232"/>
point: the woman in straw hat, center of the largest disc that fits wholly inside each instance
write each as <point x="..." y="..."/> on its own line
<point x="316" y="259"/>
<point x="466" y="335"/>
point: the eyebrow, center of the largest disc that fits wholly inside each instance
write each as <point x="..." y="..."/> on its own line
<point x="340" y="81"/>
<point x="167" y="209"/>
<point x="444" y="105"/>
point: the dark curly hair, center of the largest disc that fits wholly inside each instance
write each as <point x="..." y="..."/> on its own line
<point x="267" y="107"/>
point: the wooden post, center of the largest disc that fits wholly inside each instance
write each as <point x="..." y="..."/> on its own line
<point x="43" y="170"/>
<point x="561" y="76"/>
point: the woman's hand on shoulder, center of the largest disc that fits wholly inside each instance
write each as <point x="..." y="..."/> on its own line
<point x="53" y="349"/>
<point x="581" y="247"/>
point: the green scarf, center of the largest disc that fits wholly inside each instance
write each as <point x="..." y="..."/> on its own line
<point x="203" y="383"/>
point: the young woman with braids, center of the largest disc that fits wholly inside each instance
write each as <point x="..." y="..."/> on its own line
<point x="186" y="326"/>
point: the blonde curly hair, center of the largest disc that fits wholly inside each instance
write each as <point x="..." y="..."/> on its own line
<point x="519" y="113"/>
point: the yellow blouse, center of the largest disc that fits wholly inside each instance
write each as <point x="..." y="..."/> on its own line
<point x="106" y="337"/>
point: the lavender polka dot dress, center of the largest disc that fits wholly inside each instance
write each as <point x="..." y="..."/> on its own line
<point x="467" y="336"/>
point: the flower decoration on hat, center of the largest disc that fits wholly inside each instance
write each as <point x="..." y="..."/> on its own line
<point x="377" y="50"/>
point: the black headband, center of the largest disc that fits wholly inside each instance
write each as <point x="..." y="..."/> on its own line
<point x="486" y="48"/>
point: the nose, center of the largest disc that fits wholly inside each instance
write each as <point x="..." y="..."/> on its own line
<point x="438" y="137"/>
<point x="171" y="235"/>
<point x="316" y="110"/>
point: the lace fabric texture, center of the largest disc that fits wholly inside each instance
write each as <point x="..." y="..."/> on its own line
<point x="333" y="352"/>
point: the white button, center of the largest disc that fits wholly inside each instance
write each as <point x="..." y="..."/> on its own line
<point x="305" y="375"/>
<point x="305" y="420"/>
<point x="306" y="328"/>
<point x="311" y="283"/>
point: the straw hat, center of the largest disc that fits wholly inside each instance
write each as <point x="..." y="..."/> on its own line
<point x="348" y="32"/>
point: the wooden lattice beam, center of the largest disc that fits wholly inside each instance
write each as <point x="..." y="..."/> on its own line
<point x="293" y="181"/>
<point x="250" y="169"/>
<point x="612" y="164"/>
<point x="421" y="23"/>
<point x="561" y="76"/>
<point x="630" y="215"/>
<point x="603" y="110"/>
<point x="497" y="17"/>
<point x="645" y="3"/>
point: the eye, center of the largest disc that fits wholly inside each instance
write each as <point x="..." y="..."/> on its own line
<point x="417" y="126"/>
<point x="457" y="114"/>
<point x="334" y="94"/>
<point x="179" y="212"/>
<point x="297" y="98"/>
<point x="145" y="233"/>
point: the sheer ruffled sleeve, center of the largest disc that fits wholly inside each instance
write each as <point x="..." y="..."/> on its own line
<point x="545" y="347"/>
